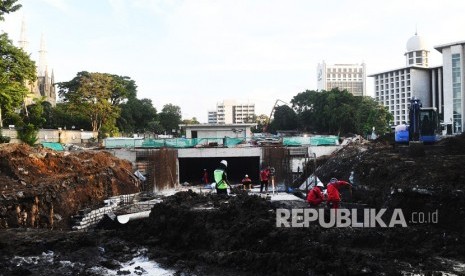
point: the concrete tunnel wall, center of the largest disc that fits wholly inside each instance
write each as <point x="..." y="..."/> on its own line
<point x="191" y="169"/>
<point x="192" y="161"/>
<point x="241" y="161"/>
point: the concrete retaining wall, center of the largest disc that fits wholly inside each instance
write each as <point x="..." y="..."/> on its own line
<point x="55" y="135"/>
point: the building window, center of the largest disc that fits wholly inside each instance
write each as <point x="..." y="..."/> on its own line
<point x="457" y="93"/>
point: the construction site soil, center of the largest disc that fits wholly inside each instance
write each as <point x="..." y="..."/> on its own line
<point x="44" y="188"/>
<point x="196" y="234"/>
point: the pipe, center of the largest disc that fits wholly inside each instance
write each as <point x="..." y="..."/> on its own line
<point x="123" y="219"/>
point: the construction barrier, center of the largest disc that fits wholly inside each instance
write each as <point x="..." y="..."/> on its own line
<point x="206" y="142"/>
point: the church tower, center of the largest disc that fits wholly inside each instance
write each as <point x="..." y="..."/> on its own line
<point x="44" y="86"/>
<point x="22" y="37"/>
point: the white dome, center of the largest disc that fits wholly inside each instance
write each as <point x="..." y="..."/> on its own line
<point x="416" y="43"/>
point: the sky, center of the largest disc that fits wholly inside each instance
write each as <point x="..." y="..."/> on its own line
<point x="196" y="53"/>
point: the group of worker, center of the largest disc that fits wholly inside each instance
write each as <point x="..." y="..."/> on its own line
<point x="264" y="180"/>
<point x="222" y="183"/>
<point x="316" y="196"/>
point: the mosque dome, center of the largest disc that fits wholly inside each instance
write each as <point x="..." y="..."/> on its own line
<point x="416" y="43"/>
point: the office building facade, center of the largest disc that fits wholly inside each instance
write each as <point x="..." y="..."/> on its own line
<point x="454" y="83"/>
<point x="350" y="77"/>
<point x="230" y="112"/>
<point x="395" y="88"/>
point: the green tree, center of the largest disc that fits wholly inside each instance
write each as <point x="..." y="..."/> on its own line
<point x="7" y="6"/>
<point x="337" y="112"/>
<point x="155" y="127"/>
<point x="136" y="115"/>
<point x="170" y="117"/>
<point x="261" y="121"/>
<point x="192" y="121"/>
<point x="28" y="134"/>
<point x="371" y="114"/>
<point x="34" y="114"/>
<point x="65" y="117"/>
<point x="97" y="96"/>
<point x="284" y="118"/>
<point x="122" y="88"/>
<point x="16" y="70"/>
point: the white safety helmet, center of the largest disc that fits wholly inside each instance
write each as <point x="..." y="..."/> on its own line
<point x="246" y="175"/>
<point x="224" y="162"/>
<point x="320" y="185"/>
<point x="333" y="180"/>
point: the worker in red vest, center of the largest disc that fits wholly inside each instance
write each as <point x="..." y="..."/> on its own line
<point x="264" y="178"/>
<point x="334" y="198"/>
<point x="246" y="182"/>
<point x="315" y="196"/>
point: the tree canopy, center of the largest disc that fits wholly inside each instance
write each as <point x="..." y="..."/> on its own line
<point x="97" y="96"/>
<point x="285" y="118"/>
<point x="137" y="116"/>
<point x="339" y="112"/>
<point x="7" y="6"/>
<point x="192" y="121"/>
<point x="16" y="71"/>
<point x="170" y="117"/>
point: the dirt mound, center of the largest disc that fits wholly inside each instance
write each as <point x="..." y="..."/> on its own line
<point x="43" y="188"/>
<point x="454" y="145"/>
<point x="240" y="232"/>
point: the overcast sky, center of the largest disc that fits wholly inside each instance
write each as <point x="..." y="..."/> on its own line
<point x="195" y="53"/>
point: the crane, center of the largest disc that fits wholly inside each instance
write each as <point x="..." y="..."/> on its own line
<point x="267" y="125"/>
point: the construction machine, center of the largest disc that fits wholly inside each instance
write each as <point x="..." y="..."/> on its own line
<point x="423" y="127"/>
<point x="423" y="124"/>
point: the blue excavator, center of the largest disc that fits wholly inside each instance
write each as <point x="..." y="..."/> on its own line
<point x="423" y="125"/>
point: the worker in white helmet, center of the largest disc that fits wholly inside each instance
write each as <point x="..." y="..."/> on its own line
<point x="315" y="195"/>
<point x="221" y="178"/>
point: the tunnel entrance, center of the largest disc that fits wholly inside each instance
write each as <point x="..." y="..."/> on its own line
<point x="191" y="169"/>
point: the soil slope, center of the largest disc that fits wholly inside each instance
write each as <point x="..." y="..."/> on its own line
<point x="43" y="188"/>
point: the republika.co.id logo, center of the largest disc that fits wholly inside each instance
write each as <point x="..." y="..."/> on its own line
<point x="361" y="218"/>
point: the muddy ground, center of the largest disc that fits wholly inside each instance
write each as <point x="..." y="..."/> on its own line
<point x="208" y="235"/>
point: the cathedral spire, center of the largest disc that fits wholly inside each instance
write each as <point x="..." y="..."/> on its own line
<point x="22" y="37"/>
<point x="42" y="57"/>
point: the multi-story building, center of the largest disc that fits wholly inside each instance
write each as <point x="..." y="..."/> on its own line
<point x="350" y="77"/>
<point x="230" y="112"/>
<point x="394" y="88"/>
<point x="454" y="84"/>
<point x="442" y="87"/>
<point x="212" y="117"/>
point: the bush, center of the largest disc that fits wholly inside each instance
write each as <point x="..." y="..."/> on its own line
<point x="28" y="134"/>
<point x="4" y="139"/>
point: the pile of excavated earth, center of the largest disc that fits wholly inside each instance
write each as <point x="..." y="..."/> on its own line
<point x="43" y="188"/>
<point x="196" y="234"/>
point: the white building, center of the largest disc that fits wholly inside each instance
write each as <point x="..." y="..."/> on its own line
<point x="454" y="83"/>
<point x="218" y="130"/>
<point x="212" y="117"/>
<point x="230" y="112"/>
<point x="394" y="88"/>
<point x="350" y="77"/>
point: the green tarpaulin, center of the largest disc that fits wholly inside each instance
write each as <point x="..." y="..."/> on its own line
<point x="53" y="145"/>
